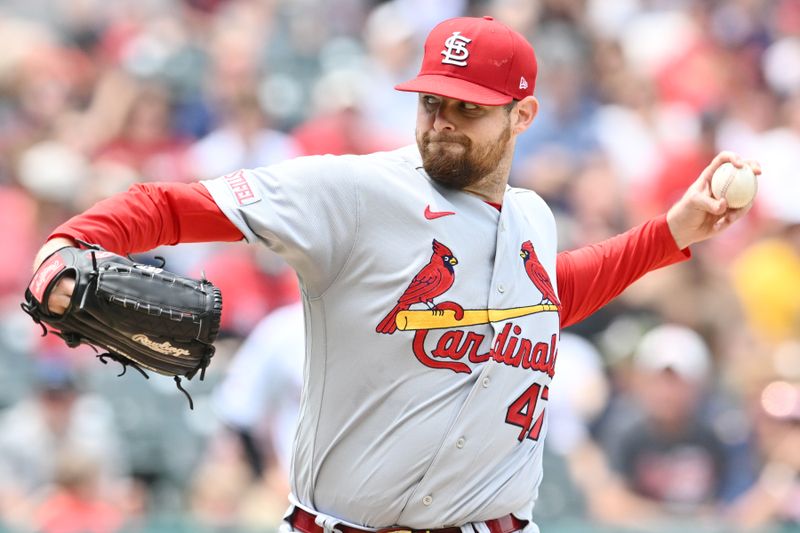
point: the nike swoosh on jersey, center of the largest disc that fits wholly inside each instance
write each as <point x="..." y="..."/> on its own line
<point x="431" y="215"/>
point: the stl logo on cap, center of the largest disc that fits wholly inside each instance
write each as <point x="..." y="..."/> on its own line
<point x="455" y="52"/>
<point x="502" y="64"/>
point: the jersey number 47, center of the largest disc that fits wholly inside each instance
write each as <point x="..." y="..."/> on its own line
<point x="521" y="411"/>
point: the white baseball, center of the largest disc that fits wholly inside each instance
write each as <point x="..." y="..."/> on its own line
<point x="737" y="185"/>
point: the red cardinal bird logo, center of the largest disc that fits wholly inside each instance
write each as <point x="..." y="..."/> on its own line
<point x="432" y="281"/>
<point x="538" y="274"/>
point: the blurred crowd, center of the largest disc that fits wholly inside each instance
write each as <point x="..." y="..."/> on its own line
<point x="676" y="407"/>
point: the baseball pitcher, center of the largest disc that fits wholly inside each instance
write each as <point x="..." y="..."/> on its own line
<point x="433" y="294"/>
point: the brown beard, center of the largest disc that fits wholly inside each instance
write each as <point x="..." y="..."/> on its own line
<point x="462" y="169"/>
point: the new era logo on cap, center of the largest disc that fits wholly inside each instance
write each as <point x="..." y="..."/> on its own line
<point x="477" y="60"/>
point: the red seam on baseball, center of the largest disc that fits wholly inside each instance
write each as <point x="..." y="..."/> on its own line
<point x="727" y="184"/>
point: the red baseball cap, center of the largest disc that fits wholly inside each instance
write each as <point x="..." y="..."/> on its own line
<point x="477" y="60"/>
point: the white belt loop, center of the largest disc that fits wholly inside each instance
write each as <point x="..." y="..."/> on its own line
<point x="327" y="523"/>
<point x="477" y="527"/>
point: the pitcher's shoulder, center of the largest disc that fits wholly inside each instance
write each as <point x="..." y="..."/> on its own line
<point x="527" y="197"/>
<point x="401" y="167"/>
<point x="532" y="206"/>
<point x="407" y="155"/>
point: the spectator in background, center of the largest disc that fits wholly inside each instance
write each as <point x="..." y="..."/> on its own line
<point x="585" y="485"/>
<point x="218" y="490"/>
<point x="567" y="123"/>
<point x="77" y="502"/>
<point x="338" y="124"/>
<point x="254" y="281"/>
<point x="45" y="81"/>
<point x="258" y="402"/>
<point x="775" y="498"/>
<point x="392" y="50"/>
<point x="667" y="184"/>
<point x="18" y="211"/>
<point x="56" y="422"/>
<point x="243" y="140"/>
<point x="766" y="277"/>
<point x="260" y="395"/>
<point x="667" y="453"/>
<point x="580" y="392"/>
<point x="50" y="176"/>
<point x="147" y="143"/>
<point x="779" y="196"/>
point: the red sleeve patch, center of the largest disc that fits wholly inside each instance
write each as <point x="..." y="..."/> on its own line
<point x="47" y="271"/>
<point x="240" y="188"/>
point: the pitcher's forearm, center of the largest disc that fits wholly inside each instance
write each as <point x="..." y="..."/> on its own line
<point x="151" y="215"/>
<point x="56" y="243"/>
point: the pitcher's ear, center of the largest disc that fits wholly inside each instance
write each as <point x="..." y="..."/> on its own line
<point x="525" y="112"/>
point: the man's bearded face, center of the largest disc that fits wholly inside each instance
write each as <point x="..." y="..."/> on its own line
<point x="454" y="160"/>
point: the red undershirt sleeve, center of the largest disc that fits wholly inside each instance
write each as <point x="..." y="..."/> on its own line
<point x="154" y="214"/>
<point x="149" y="215"/>
<point x="590" y="277"/>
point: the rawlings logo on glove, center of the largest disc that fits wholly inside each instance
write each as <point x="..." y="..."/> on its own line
<point x="143" y="316"/>
<point x="164" y="347"/>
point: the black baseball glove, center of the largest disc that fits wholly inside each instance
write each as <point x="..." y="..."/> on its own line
<point x="142" y="315"/>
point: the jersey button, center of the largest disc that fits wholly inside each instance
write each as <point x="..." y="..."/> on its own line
<point x="460" y="443"/>
<point x="501" y="288"/>
<point x="427" y="500"/>
<point x="486" y="382"/>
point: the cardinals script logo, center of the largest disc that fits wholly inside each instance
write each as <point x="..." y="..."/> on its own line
<point x="510" y="347"/>
<point x="456" y="346"/>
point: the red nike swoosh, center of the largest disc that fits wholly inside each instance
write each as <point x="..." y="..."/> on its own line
<point x="430" y="215"/>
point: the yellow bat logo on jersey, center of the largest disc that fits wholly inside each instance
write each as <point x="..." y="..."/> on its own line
<point x="446" y="318"/>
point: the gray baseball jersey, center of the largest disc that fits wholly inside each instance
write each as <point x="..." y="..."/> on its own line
<point x="431" y="336"/>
